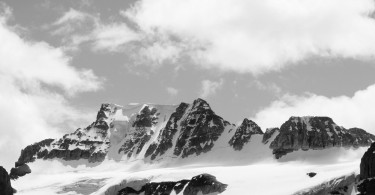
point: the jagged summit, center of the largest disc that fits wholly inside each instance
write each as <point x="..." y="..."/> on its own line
<point x="200" y="104"/>
<point x="243" y="134"/>
<point x="153" y="132"/>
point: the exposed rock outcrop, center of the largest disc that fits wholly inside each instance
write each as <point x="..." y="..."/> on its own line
<point x="91" y="143"/>
<point x="367" y="172"/>
<point x="141" y="132"/>
<point x="311" y="174"/>
<point x="343" y="185"/>
<point x="243" y="134"/>
<point x="367" y="166"/>
<point x="270" y="132"/>
<point x="5" y="185"/>
<point x="200" y="128"/>
<point x="316" y="133"/>
<point x="19" y="171"/>
<point x="361" y="137"/>
<point x="366" y="186"/>
<point x="165" y="138"/>
<point x="204" y="184"/>
<point x="191" y="129"/>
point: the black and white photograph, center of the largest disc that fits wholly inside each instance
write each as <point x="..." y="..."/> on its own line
<point x="187" y="97"/>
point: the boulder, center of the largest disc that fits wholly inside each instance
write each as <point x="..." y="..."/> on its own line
<point x="311" y="174"/>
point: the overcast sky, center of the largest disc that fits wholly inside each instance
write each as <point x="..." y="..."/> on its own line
<point x="262" y="59"/>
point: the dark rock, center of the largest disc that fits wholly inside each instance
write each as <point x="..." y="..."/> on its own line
<point x="311" y="174"/>
<point x="146" y="117"/>
<point x="28" y="154"/>
<point x="81" y="144"/>
<point x="156" y="188"/>
<point x="19" y="171"/>
<point x="366" y="186"/>
<point x="204" y="183"/>
<point x="5" y="185"/>
<point x="337" y="186"/>
<point x="167" y="133"/>
<point x="362" y="138"/>
<point x="367" y="166"/>
<point x="200" y="128"/>
<point x="134" y="141"/>
<point x="315" y="133"/>
<point x="102" y="115"/>
<point x="367" y="172"/>
<point x="269" y="133"/>
<point x="243" y="134"/>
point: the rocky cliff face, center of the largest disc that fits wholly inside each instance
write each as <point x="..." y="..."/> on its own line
<point x="367" y="166"/>
<point x="5" y="186"/>
<point x="191" y="129"/>
<point x="200" y="184"/>
<point x="200" y="127"/>
<point x="243" y="134"/>
<point x="316" y="133"/>
<point x="141" y="131"/>
<point x="270" y="134"/>
<point x="19" y="171"/>
<point x="91" y="143"/>
<point x="367" y="172"/>
<point x="151" y="132"/>
<point x="343" y="185"/>
<point x="165" y="139"/>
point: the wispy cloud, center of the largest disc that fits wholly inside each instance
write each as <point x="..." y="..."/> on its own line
<point x="78" y="27"/>
<point x="209" y="88"/>
<point x="172" y="91"/>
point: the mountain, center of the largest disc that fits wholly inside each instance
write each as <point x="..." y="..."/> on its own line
<point x="186" y="134"/>
<point x="316" y="133"/>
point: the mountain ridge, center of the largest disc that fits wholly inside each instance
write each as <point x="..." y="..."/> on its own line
<point x="152" y="132"/>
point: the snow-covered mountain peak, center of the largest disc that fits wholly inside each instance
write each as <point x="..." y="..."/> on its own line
<point x="200" y="104"/>
<point x="243" y="134"/>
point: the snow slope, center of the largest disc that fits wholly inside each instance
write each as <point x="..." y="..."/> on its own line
<point x="262" y="176"/>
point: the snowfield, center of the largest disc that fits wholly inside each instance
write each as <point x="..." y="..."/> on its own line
<point x="261" y="175"/>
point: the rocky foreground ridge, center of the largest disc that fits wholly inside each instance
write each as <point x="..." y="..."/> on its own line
<point x="152" y="132"/>
<point x="203" y="183"/>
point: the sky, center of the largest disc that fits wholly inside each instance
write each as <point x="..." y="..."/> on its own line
<point x="265" y="60"/>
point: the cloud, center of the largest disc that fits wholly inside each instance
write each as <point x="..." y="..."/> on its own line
<point x="260" y="35"/>
<point x="36" y="81"/>
<point x="210" y="88"/>
<point x="72" y="21"/>
<point x="355" y="111"/>
<point x="111" y="37"/>
<point x="78" y="27"/>
<point x="172" y="91"/>
<point x="159" y="52"/>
